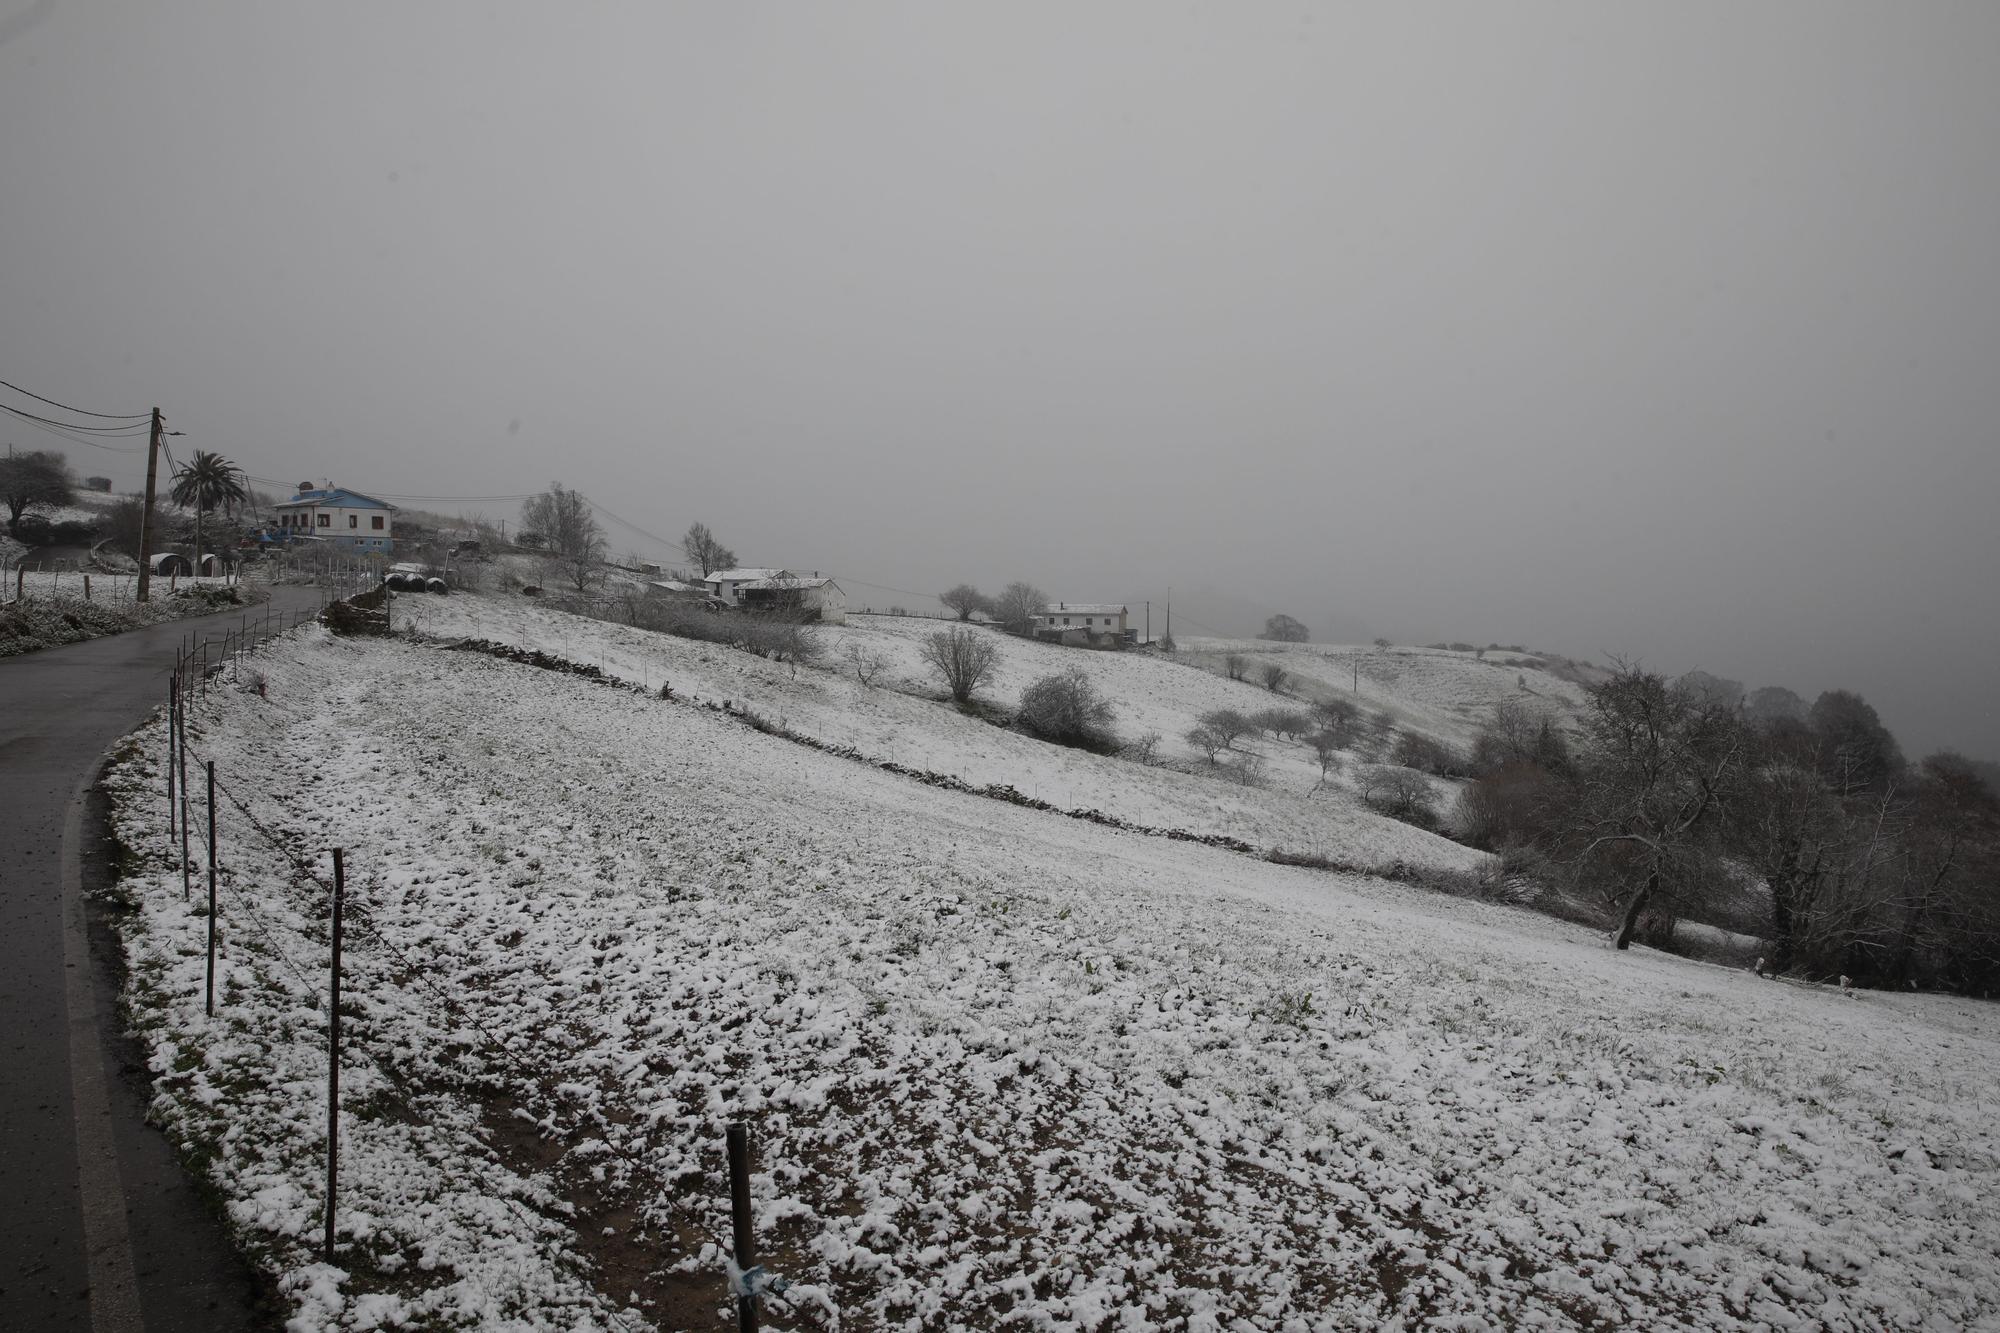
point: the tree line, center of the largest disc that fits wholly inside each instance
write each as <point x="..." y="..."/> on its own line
<point x="1681" y="794"/>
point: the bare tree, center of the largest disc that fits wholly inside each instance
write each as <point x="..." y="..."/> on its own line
<point x="1284" y="629"/>
<point x="866" y="663"/>
<point x="1274" y="677"/>
<point x="1228" y="724"/>
<point x="1658" y="772"/>
<point x="705" y="551"/>
<point x="963" y="658"/>
<point x="1237" y="665"/>
<point x="964" y="600"/>
<point x="39" y="479"/>
<point x="575" y="540"/>
<point x="1017" y="606"/>
<point x="1335" y="714"/>
<point x="1207" y="739"/>
<point x="1326" y="749"/>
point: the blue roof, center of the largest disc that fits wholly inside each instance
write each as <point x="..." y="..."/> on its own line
<point x="335" y="495"/>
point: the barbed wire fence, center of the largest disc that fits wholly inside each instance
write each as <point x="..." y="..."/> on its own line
<point x="227" y="823"/>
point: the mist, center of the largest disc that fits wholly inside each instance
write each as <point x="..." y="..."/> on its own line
<point x="1664" y="332"/>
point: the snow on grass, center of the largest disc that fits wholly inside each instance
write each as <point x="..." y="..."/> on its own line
<point x="886" y="723"/>
<point x="1001" y="1068"/>
<point x="1445" y="694"/>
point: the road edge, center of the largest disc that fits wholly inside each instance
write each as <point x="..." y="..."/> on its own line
<point x="107" y="1238"/>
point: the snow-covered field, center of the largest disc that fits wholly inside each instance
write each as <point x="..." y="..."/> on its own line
<point x="1003" y="1069"/>
<point x="888" y="723"/>
<point x="1444" y="694"/>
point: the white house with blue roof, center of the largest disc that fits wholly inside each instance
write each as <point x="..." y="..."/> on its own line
<point x="341" y="517"/>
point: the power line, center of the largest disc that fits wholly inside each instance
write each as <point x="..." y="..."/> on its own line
<point x="67" y="432"/>
<point x="134" y="428"/>
<point x="81" y="411"/>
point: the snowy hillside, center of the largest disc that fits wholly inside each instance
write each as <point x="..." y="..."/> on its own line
<point x="1001" y="1067"/>
<point x="1444" y="694"/>
<point x="886" y="723"/>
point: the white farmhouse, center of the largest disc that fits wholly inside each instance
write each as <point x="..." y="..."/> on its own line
<point x="725" y="583"/>
<point x="1092" y="618"/>
<point x="345" y="518"/>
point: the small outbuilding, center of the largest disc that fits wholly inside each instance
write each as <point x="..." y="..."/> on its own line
<point x="812" y="599"/>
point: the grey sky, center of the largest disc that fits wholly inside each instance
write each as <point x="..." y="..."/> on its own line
<point x="1667" y="330"/>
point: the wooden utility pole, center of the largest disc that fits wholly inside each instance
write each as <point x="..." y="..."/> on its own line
<point x="146" y="515"/>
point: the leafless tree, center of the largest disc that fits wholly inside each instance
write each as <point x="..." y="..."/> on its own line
<point x="1282" y="722"/>
<point x="701" y="547"/>
<point x="1145" y="749"/>
<point x="1017" y="606"/>
<point x="1274" y="677"/>
<point x="865" y="662"/>
<point x="964" y="600"/>
<point x="964" y="658"/>
<point x="1326" y="749"/>
<point x="1659" y="771"/>
<point x="1207" y="739"/>
<point x="1333" y="713"/>
<point x="1237" y="665"/>
<point x="575" y="540"/>
<point x="1228" y="724"/>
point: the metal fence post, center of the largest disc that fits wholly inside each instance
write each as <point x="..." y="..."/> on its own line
<point x="739" y="1207"/>
<point x="210" y="999"/>
<point x="173" y="730"/>
<point x="333" y="1059"/>
<point x="180" y="764"/>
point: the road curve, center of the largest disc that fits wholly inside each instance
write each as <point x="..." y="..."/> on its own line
<point x="90" y="1190"/>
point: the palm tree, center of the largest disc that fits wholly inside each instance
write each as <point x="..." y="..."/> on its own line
<point x="208" y="481"/>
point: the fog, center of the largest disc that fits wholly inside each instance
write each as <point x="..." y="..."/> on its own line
<point x="1669" y="331"/>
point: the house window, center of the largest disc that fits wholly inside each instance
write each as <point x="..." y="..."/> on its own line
<point x="354" y="520"/>
<point x="376" y="522"/>
<point x="326" y="520"/>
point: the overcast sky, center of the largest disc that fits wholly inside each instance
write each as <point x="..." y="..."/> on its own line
<point x="1667" y="330"/>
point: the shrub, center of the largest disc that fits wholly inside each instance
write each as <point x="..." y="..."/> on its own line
<point x="1285" y="722"/>
<point x="1237" y="665"/>
<point x="1067" y="709"/>
<point x="963" y="658"/>
<point x="1400" y="793"/>
<point x="1429" y="756"/>
<point x="1144" y="750"/>
<point x="1274" y="677"/>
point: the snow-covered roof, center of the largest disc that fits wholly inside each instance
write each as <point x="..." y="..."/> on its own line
<point x="744" y="575"/>
<point x="1083" y="608"/>
<point x="779" y="585"/>
<point x="334" y="495"/>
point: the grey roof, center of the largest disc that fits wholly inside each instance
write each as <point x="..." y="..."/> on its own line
<point x="779" y="585"/>
<point x="745" y="574"/>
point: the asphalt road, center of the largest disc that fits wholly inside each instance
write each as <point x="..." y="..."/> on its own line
<point x="87" y="1188"/>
